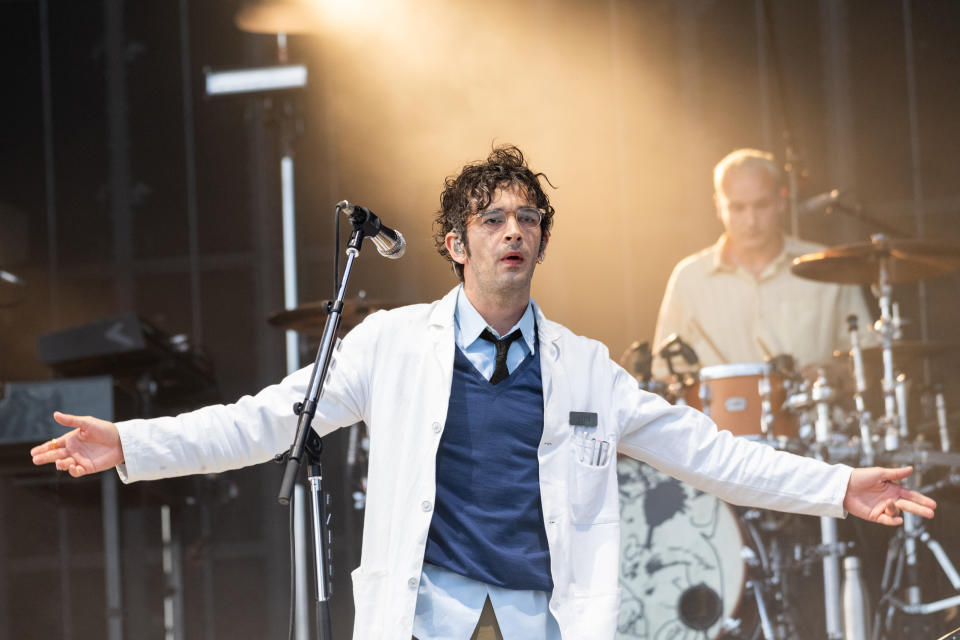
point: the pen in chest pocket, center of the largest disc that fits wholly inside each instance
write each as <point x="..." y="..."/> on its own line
<point x="590" y="451"/>
<point x="594" y="452"/>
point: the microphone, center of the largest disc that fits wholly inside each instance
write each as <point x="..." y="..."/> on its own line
<point x="389" y="242"/>
<point x="832" y="198"/>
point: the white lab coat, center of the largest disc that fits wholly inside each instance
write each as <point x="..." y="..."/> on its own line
<point x="394" y="372"/>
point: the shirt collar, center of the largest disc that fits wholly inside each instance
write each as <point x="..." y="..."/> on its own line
<point x="785" y="257"/>
<point x="472" y="324"/>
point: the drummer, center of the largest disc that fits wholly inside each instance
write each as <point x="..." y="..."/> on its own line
<point x="737" y="300"/>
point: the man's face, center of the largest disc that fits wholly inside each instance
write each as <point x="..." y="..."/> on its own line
<point x="501" y="257"/>
<point x="750" y="210"/>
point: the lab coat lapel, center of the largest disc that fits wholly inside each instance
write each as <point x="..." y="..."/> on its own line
<point x="555" y="380"/>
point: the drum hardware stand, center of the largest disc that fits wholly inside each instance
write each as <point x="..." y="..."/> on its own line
<point x="705" y="399"/>
<point x="766" y="411"/>
<point x="902" y="558"/>
<point x="307" y="441"/>
<point x="673" y="347"/>
<point x="840" y="606"/>
<point x="945" y="443"/>
<point x="822" y="394"/>
<point x="888" y="327"/>
<point x="775" y="625"/>
<point x="765" y="624"/>
<point x="798" y="402"/>
<point x="643" y="367"/>
<point x="900" y="391"/>
<point x="860" y="380"/>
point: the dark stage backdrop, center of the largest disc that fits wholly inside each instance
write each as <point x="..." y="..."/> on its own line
<point x="124" y="188"/>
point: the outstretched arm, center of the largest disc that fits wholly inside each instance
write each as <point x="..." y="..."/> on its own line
<point x="875" y="494"/>
<point x="93" y="445"/>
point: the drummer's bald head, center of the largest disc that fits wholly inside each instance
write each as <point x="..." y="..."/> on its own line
<point x="742" y="161"/>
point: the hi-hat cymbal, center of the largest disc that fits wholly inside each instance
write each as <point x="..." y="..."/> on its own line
<point x="859" y="263"/>
<point x="278" y="16"/>
<point x="905" y="350"/>
<point x="12" y="289"/>
<point x="310" y="318"/>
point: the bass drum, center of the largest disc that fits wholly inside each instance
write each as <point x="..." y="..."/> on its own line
<point x="682" y="573"/>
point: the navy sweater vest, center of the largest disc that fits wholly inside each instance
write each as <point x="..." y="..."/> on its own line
<point x="488" y="520"/>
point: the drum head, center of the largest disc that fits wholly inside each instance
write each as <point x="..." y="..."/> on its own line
<point x="681" y="569"/>
<point x="718" y="371"/>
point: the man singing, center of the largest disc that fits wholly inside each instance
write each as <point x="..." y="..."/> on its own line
<point x="492" y="504"/>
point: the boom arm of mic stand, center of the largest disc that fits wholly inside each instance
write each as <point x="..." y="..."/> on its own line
<point x="308" y="407"/>
<point x="857" y="213"/>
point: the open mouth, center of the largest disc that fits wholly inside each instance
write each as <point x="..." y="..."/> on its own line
<point x="512" y="258"/>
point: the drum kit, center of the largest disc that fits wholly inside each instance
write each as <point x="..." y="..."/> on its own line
<point x="695" y="567"/>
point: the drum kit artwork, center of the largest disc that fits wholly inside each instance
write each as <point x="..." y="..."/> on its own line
<point x="694" y="567"/>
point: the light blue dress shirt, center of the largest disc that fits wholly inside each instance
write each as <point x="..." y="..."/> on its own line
<point x="448" y="604"/>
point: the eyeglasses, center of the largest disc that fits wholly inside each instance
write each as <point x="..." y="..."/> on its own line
<point x="494" y="219"/>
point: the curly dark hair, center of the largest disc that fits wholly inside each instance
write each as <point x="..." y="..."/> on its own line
<point x="473" y="189"/>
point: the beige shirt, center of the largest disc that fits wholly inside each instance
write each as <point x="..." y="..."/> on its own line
<point x="727" y="315"/>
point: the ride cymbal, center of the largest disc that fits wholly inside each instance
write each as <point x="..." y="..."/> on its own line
<point x="908" y="260"/>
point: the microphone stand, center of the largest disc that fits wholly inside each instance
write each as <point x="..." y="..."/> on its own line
<point x="857" y="213"/>
<point x="306" y="440"/>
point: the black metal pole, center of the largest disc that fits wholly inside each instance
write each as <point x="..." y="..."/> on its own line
<point x="307" y="441"/>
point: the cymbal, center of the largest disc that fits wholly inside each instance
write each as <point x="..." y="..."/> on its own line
<point x="277" y="16"/>
<point x="859" y="263"/>
<point x="12" y="289"/>
<point x="310" y="318"/>
<point x="905" y="350"/>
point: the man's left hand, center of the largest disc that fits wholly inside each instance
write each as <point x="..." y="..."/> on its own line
<point x="875" y="494"/>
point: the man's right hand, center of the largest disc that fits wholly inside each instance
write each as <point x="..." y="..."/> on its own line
<point x="93" y="445"/>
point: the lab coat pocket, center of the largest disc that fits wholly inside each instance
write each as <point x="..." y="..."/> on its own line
<point x="590" y="490"/>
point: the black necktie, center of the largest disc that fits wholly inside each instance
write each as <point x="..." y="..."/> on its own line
<point x="500" y="371"/>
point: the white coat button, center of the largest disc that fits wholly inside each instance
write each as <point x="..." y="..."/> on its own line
<point x="426" y="505"/>
<point x="437" y="428"/>
<point x="412" y="583"/>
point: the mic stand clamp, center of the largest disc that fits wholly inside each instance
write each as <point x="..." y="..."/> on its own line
<point x="306" y="440"/>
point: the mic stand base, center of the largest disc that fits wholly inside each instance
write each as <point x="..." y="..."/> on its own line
<point x="320" y="525"/>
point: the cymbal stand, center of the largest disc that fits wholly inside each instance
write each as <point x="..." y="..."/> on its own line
<point x="674" y="347"/>
<point x="766" y="409"/>
<point x="888" y="328"/>
<point x="900" y="392"/>
<point x="860" y="380"/>
<point x="769" y="586"/>
<point x="822" y="394"/>
<point x="902" y="559"/>
<point x="942" y="420"/>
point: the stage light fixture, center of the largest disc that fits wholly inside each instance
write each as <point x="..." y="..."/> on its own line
<point x="256" y="79"/>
